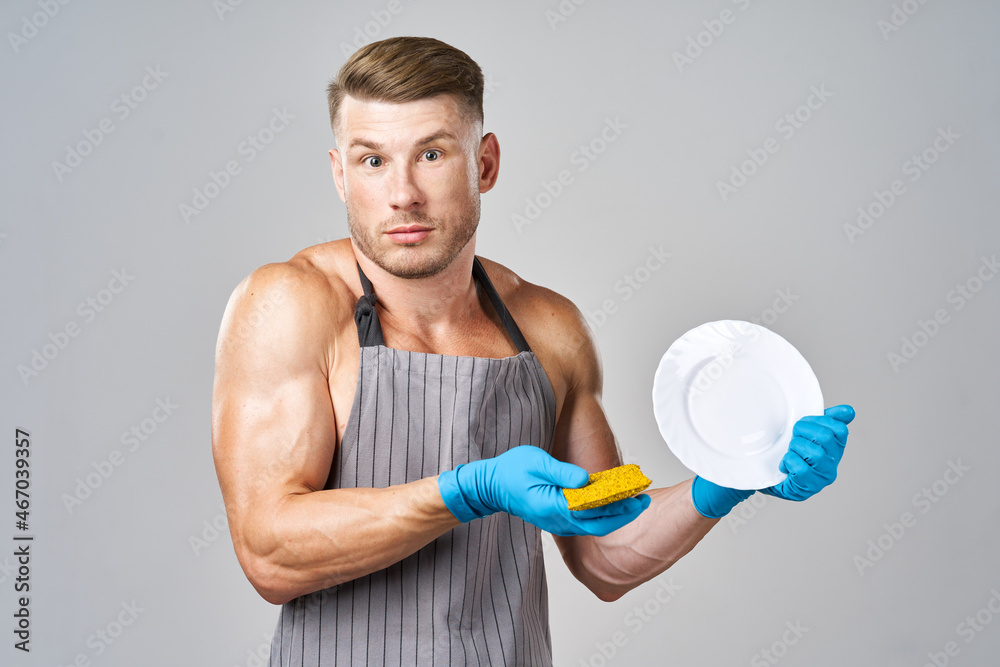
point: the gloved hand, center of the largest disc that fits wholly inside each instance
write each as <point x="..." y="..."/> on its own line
<point x="527" y="482"/>
<point x="713" y="501"/>
<point x="811" y="462"/>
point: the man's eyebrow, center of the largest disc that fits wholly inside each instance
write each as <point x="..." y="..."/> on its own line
<point x="376" y="146"/>
<point x="440" y="134"/>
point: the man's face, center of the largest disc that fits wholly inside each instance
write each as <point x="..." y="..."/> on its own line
<point x="411" y="175"/>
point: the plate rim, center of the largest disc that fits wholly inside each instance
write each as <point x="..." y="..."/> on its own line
<point x="706" y="462"/>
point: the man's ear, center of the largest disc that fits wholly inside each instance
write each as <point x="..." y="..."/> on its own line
<point x="489" y="162"/>
<point x="338" y="172"/>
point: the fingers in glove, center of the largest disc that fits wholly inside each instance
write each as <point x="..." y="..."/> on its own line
<point x="821" y="430"/>
<point x="547" y="468"/>
<point x="842" y="413"/>
<point x="809" y="475"/>
<point x="619" y="507"/>
<point x="793" y="464"/>
<point x="812" y="453"/>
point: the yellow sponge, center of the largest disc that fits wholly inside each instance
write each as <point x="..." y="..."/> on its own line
<point x="608" y="486"/>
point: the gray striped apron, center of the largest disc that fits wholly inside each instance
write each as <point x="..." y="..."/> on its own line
<point x="477" y="595"/>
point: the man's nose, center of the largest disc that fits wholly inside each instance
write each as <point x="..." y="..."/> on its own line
<point x="404" y="193"/>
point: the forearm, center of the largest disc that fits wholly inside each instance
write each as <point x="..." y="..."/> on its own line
<point x="614" y="564"/>
<point x="315" y="540"/>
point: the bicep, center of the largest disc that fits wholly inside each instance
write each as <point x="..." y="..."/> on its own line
<point x="273" y="431"/>
<point x="583" y="435"/>
<point x="273" y="436"/>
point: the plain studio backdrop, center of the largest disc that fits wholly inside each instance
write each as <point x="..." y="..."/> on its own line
<point x="826" y="169"/>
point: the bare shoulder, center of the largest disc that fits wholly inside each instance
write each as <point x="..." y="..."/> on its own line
<point x="303" y="298"/>
<point x="542" y="307"/>
<point x="554" y="326"/>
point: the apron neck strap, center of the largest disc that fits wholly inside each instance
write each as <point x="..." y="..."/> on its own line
<point x="370" y="329"/>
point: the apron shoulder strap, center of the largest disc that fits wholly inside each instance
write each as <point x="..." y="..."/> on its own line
<point x="508" y="321"/>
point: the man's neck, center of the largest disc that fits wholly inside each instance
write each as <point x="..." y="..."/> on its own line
<point x="430" y="308"/>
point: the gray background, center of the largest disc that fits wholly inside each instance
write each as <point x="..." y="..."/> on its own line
<point x="555" y="84"/>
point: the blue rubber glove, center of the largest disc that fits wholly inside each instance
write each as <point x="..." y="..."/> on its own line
<point x="813" y="454"/>
<point x="527" y="482"/>
<point x="811" y="462"/>
<point x="713" y="501"/>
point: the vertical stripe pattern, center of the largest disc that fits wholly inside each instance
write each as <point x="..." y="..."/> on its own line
<point x="476" y="595"/>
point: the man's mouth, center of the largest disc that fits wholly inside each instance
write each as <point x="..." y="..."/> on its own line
<point x="408" y="234"/>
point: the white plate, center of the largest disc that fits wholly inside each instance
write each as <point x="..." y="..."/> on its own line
<point x="726" y="395"/>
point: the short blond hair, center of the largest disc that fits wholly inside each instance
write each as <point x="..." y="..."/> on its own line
<point x="404" y="69"/>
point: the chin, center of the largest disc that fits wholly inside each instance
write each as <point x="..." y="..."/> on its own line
<point x="413" y="267"/>
<point x="419" y="260"/>
<point x="406" y="261"/>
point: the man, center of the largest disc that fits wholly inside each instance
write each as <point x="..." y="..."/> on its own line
<point x="394" y="418"/>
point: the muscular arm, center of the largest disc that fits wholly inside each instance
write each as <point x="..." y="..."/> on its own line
<point x="273" y="440"/>
<point x="612" y="565"/>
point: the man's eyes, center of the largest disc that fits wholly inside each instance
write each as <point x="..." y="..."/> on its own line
<point x="375" y="161"/>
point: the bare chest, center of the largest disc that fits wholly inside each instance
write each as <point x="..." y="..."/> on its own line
<point x="482" y="337"/>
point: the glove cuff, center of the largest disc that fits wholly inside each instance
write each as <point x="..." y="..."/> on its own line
<point x="713" y="501"/>
<point x="464" y="508"/>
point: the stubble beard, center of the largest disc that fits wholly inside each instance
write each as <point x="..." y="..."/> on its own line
<point x="416" y="260"/>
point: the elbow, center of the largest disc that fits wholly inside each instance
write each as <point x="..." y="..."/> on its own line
<point x="269" y="578"/>
<point x="612" y="585"/>
<point x="608" y="593"/>
<point x="276" y="581"/>
<point x="274" y="593"/>
<point x="274" y="596"/>
<point x="600" y="584"/>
